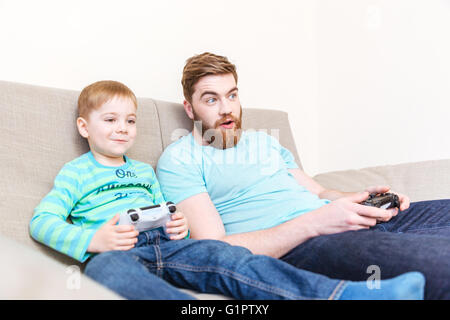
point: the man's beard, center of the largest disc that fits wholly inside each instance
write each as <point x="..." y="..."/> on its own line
<point x="218" y="137"/>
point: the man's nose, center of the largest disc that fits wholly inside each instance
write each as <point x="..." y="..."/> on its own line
<point x="225" y="107"/>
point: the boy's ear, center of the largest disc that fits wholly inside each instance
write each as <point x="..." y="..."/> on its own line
<point x="188" y="109"/>
<point x="82" y="127"/>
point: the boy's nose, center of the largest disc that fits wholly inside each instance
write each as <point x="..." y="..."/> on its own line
<point x="121" y="127"/>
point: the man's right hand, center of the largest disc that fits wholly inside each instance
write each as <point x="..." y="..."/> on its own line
<point x="347" y="214"/>
<point x="113" y="237"/>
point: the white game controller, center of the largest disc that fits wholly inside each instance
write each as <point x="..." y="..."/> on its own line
<point x="148" y="218"/>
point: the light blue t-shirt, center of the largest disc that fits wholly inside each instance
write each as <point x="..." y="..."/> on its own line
<point x="249" y="184"/>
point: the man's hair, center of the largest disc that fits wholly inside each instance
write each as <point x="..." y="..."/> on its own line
<point x="100" y="92"/>
<point x="203" y="65"/>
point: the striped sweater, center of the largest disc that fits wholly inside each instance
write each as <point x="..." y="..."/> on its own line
<point x="91" y="194"/>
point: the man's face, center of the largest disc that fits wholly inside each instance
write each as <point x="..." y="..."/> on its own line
<point x="216" y="110"/>
<point x="110" y="129"/>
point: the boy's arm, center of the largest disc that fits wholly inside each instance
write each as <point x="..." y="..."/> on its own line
<point x="49" y="225"/>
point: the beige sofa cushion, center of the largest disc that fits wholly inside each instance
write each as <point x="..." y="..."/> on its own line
<point x="426" y="180"/>
<point x="27" y="274"/>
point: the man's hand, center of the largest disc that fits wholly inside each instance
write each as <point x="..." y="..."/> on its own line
<point x="347" y="214"/>
<point x="113" y="237"/>
<point x="404" y="200"/>
<point x="178" y="227"/>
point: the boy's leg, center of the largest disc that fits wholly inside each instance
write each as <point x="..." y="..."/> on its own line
<point x="120" y="272"/>
<point x="217" y="267"/>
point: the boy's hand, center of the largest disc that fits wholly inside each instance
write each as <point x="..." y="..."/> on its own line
<point x="113" y="237"/>
<point x="178" y="227"/>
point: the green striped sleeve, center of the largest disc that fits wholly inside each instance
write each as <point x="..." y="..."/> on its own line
<point x="49" y="225"/>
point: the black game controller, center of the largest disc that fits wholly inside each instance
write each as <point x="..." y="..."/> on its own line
<point x="382" y="201"/>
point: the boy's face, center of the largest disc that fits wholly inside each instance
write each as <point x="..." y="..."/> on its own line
<point x="215" y="102"/>
<point x="110" y="130"/>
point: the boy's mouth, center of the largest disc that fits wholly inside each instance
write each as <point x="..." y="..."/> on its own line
<point x="119" y="140"/>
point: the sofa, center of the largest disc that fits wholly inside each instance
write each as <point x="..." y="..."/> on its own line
<point x="40" y="135"/>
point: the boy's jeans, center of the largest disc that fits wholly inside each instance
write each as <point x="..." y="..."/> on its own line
<point x="417" y="239"/>
<point x="157" y="264"/>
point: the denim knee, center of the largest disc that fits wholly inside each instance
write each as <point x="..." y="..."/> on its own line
<point x="103" y="263"/>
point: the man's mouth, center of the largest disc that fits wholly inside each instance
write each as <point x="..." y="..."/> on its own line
<point x="227" y="124"/>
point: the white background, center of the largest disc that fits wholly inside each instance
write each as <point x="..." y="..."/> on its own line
<point x="364" y="82"/>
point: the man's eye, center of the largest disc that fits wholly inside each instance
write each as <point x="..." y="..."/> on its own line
<point x="233" y="96"/>
<point x="211" y="100"/>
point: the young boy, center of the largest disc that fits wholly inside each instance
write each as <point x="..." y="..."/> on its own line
<point x="97" y="186"/>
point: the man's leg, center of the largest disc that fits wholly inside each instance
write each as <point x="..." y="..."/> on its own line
<point x="425" y="217"/>
<point x="417" y="239"/>
<point x="354" y="255"/>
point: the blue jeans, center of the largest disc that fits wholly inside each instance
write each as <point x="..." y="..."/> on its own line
<point x="417" y="239"/>
<point x="156" y="265"/>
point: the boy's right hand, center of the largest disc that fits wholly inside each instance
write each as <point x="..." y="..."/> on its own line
<point x="113" y="237"/>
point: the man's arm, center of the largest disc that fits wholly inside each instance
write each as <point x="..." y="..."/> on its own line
<point x="338" y="216"/>
<point x="205" y="223"/>
<point x="312" y="186"/>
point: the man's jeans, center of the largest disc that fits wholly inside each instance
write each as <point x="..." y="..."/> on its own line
<point x="417" y="239"/>
<point x="157" y="264"/>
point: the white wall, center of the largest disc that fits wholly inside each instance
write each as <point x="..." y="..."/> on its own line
<point x="384" y="81"/>
<point x="333" y="61"/>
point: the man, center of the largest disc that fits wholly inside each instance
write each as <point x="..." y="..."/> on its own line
<point x="244" y="188"/>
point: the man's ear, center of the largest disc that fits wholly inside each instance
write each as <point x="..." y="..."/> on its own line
<point x="188" y="109"/>
<point x="82" y="127"/>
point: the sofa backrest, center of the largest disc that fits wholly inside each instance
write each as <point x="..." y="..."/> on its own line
<point x="40" y="136"/>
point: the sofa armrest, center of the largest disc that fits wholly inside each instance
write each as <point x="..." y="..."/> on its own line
<point x="29" y="274"/>
<point x="426" y="180"/>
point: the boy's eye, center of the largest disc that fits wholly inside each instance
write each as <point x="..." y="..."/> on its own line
<point x="131" y="121"/>
<point x="109" y="120"/>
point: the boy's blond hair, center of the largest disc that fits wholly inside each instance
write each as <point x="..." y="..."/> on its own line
<point x="203" y="65"/>
<point x="100" y="92"/>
